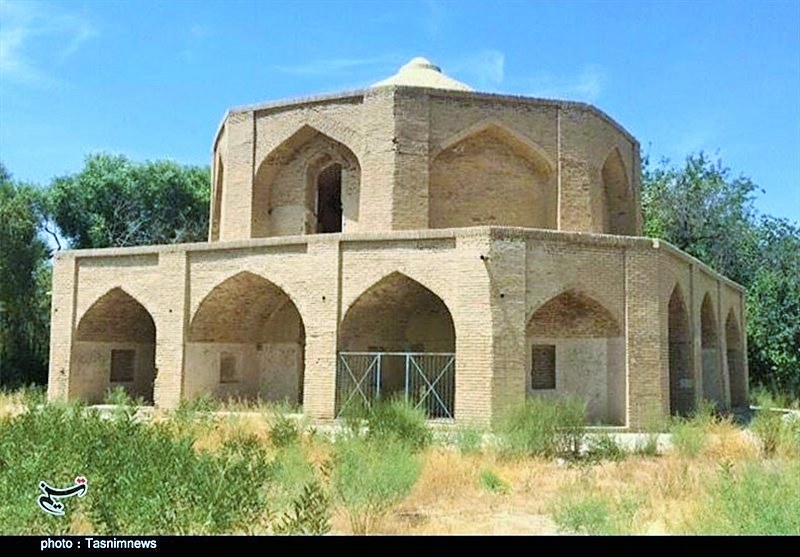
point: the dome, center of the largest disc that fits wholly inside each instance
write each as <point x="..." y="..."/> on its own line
<point x="420" y="72"/>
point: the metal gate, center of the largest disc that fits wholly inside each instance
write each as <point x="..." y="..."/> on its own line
<point x="426" y="379"/>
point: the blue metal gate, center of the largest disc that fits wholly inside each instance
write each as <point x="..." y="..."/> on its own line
<point x="426" y="379"/>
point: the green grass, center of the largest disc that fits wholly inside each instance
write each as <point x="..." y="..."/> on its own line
<point x="762" y="499"/>
<point x="142" y="477"/>
<point x="490" y="481"/>
<point x="588" y="513"/>
<point x="543" y="427"/>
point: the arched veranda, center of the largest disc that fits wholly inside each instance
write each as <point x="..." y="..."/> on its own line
<point x="575" y="347"/>
<point x="397" y="339"/>
<point x="246" y="340"/>
<point x="114" y="347"/>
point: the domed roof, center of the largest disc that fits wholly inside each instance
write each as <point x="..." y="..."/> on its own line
<point x="420" y="72"/>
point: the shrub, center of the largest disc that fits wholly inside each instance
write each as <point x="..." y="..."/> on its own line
<point x="468" y="439"/>
<point x="543" y="427"/>
<point x="594" y="514"/>
<point x="647" y="446"/>
<point x="143" y="479"/>
<point x="603" y="446"/>
<point x="370" y="476"/>
<point x="399" y="420"/>
<point x="777" y="432"/>
<point x="764" y="499"/>
<point x="310" y="514"/>
<point x="490" y="481"/>
<point x="689" y="436"/>
<point x="284" y="431"/>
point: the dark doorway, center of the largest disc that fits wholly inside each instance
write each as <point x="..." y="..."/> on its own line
<point x="329" y="199"/>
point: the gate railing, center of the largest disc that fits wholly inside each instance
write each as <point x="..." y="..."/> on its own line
<point x="428" y="380"/>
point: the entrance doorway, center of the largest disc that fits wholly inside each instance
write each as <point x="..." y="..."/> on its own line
<point x="329" y="199"/>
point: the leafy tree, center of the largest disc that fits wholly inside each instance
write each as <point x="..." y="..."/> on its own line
<point x="24" y="284"/>
<point x="115" y="202"/>
<point x="704" y="210"/>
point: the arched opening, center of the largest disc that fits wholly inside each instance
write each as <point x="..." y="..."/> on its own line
<point x="620" y="212"/>
<point x="575" y="347"/>
<point x="329" y="199"/>
<point x="217" y="214"/>
<point x="114" y="347"/>
<point x="491" y="177"/>
<point x="735" y="356"/>
<point x="398" y="339"/>
<point x="246" y="340"/>
<point x="713" y="386"/>
<point x="681" y="375"/>
<point x="310" y="183"/>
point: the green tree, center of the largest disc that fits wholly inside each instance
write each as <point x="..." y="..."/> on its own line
<point x="704" y="210"/>
<point x="115" y="202"/>
<point x="24" y="284"/>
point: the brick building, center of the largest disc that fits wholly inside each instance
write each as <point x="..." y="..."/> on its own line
<point x="416" y="238"/>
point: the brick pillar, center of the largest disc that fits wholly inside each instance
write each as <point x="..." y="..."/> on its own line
<point x="321" y="321"/>
<point x="377" y="161"/>
<point x="411" y="166"/>
<point x="171" y="317"/>
<point x="647" y="369"/>
<point x="237" y="204"/>
<point x="62" y="326"/>
<point x="578" y="178"/>
<point x="506" y="267"/>
<point x="474" y="334"/>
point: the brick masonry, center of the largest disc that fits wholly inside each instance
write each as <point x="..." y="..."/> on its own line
<point x="475" y="223"/>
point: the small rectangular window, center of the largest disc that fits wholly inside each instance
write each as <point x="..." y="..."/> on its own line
<point x="122" y="365"/>
<point x="543" y="366"/>
<point x="228" y="368"/>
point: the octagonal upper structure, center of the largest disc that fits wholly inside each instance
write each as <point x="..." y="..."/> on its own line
<point x="412" y="154"/>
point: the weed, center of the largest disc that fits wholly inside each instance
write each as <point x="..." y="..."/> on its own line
<point x="777" y="432"/>
<point x="285" y="431"/>
<point x="369" y="477"/>
<point x="310" y="514"/>
<point x="603" y="446"/>
<point x="468" y="439"/>
<point x="543" y="427"/>
<point x="398" y="420"/>
<point x="490" y="481"/>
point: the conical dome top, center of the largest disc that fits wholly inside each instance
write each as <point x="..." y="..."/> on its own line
<point x="420" y="72"/>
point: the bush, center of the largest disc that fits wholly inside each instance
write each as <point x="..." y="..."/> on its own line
<point x="142" y="478"/>
<point x="370" y="476"/>
<point x="764" y="499"/>
<point x="490" y="481"/>
<point x="596" y="514"/>
<point x="543" y="427"/>
<point x="285" y="431"/>
<point x="689" y="436"/>
<point x="603" y="446"/>
<point x="468" y="439"/>
<point x="398" y="420"/>
<point x="310" y="514"/>
<point x="778" y="433"/>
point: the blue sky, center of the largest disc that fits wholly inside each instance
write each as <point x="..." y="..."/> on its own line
<point x="153" y="79"/>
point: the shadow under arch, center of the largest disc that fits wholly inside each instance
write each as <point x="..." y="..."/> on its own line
<point x="575" y="347"/>
<point x="292" y="193"/>
<point x="114" y="347"/>
<point x="488" y="174"/>
<point x="246" y="340"/>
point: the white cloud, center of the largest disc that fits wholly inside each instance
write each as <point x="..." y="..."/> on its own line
<point x="587" y="86"/>
<point x="23" y="24"/>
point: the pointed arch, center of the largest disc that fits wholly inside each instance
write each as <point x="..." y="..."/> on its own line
<point x="397" y="313"/>
<point x="575" y="348"/>
<point x="573" y="314"/>
<point x="114" y="347"/>
<point x="287" y="182"/>
<point x="735" y="359"/>
<point x="618" y="202"/>
<point x="681" y="372"/>
<point x="490" y="174"/>
<point x="713" y="385"/>
<point x="246" y="339"/>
